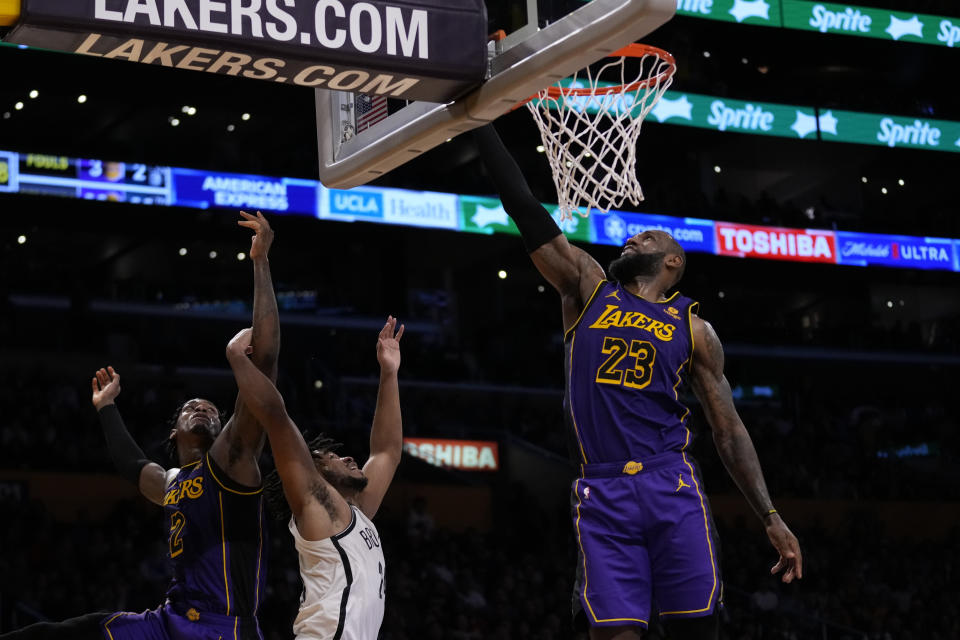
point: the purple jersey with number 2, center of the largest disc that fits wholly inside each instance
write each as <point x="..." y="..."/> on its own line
<point x="217" y="545"/>
<point x="643" y="525"/>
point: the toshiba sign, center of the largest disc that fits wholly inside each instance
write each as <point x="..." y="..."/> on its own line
<point x="775" y="243"/>
<point x="470" y="455"/>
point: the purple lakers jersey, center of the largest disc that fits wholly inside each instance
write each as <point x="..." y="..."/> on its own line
<point x="626" y="359"/>
<point x="217" y="542"/>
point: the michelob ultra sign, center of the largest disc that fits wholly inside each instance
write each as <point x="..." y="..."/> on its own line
<point x="424" y="50"/>
<point x="468" y="455"/>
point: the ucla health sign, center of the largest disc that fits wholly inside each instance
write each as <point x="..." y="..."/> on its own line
<point x="615" y="227"/>
<point x="350" y="205"/>
<point x="867" y="249"/>
<point x="390" y="206"/>
<point x="421" y="209"/>
<point x="203" y="189"/>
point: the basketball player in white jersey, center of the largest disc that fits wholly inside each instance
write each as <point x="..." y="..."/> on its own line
<point x="331" y="499"/>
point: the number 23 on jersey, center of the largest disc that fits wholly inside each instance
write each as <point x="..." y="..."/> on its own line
<point x="628" y="364"/>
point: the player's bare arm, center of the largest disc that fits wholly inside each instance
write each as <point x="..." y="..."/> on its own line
<point x="128" y="458"/>
<point x="241" y="442"/>
<point x="386" y="435"/>
<point x="569" y="269"/>
<point x="320" y="511"/>
<point x="735" y="447"/>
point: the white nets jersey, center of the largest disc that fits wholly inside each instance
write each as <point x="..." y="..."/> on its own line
<point x="343" y="583"/>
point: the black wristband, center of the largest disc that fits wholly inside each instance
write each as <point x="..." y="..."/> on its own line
<point x="534" y="223"/>
<point x="127" y="457"/>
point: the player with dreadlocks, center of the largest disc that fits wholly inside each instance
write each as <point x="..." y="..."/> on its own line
<point x="212" y="500"/>
<point x="331" y="499"/>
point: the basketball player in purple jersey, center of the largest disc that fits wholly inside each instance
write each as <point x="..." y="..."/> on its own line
<point x="647" y="543"/>
<point x="213" y="503"/>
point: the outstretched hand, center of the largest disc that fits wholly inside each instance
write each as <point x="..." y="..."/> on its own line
<point x="240" y="344"/>
<point x="388" y="346"/>
<point x="106" y="387"/>
<point x="263" y="234"/>
<point x="786" y="544"/>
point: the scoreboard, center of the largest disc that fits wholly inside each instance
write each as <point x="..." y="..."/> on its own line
<point x="87" y="179"/>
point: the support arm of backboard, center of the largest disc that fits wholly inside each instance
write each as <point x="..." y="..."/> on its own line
<point x="548" y="55"/>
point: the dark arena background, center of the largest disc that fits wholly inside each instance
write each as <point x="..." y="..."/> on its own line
<point x="844" y="374"/>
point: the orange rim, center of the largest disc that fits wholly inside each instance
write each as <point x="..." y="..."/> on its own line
<point x="630" y="51"/>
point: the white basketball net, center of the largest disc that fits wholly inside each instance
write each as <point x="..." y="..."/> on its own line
<point x="591" y="140"/>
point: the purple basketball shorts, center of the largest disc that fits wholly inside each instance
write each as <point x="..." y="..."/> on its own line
<point x="646" y="541"/>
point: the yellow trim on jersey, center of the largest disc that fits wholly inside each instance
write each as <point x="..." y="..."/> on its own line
<point x="676" y="396"/>
<point x="706" y="526"/>
<point x="584" y="310"/>
<point x="223" y="486"/>
<point x="106" y="625"/>
<point x="177" y="474"/>
<point x="693" y="343"/>
<point x="236" y="621"/>
<point x="256" y="595"/>
<point x="573" y="417"/>
<point x="664" y="301"/>
<point x="576" y="488"/>
<point x="689" y="362"/>
<point x="223" y="546"/>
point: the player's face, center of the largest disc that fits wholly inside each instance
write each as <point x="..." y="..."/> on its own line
<point x="643" y="255"/>
<point x="342" y="473"/>
<point x="199" y="417"/>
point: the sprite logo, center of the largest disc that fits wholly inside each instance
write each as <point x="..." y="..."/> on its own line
<point x="920" y="133"/>
<point x="703" y="7"/>
<point x="949" y="33"/>
<point x="849" y="19"/>
<point x="749" y="118"/>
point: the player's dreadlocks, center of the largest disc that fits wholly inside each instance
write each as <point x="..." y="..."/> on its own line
<point x="273" y="488"/>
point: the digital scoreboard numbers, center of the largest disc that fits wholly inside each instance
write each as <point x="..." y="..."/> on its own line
<point x="90" y="179"/>
<point x="123" y="182"/>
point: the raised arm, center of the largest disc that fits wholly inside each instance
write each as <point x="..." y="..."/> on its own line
<point x="571" y="271"/>
<point x="128" y="458"/>
<point x="735" y="447"/>
<point x="239" y="446"/>
<point x="319" y="509"/>
<point x="386" y="435"/>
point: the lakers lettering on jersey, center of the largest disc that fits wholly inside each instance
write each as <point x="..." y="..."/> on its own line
<point x="343" y="583"/>
<point x="217" y="542"/>
<point x="626" y="359"/>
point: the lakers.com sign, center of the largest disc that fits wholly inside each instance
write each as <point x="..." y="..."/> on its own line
<point x="424" y="50"/>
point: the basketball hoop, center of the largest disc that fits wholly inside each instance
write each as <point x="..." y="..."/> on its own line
<point x="590" y="125"/>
